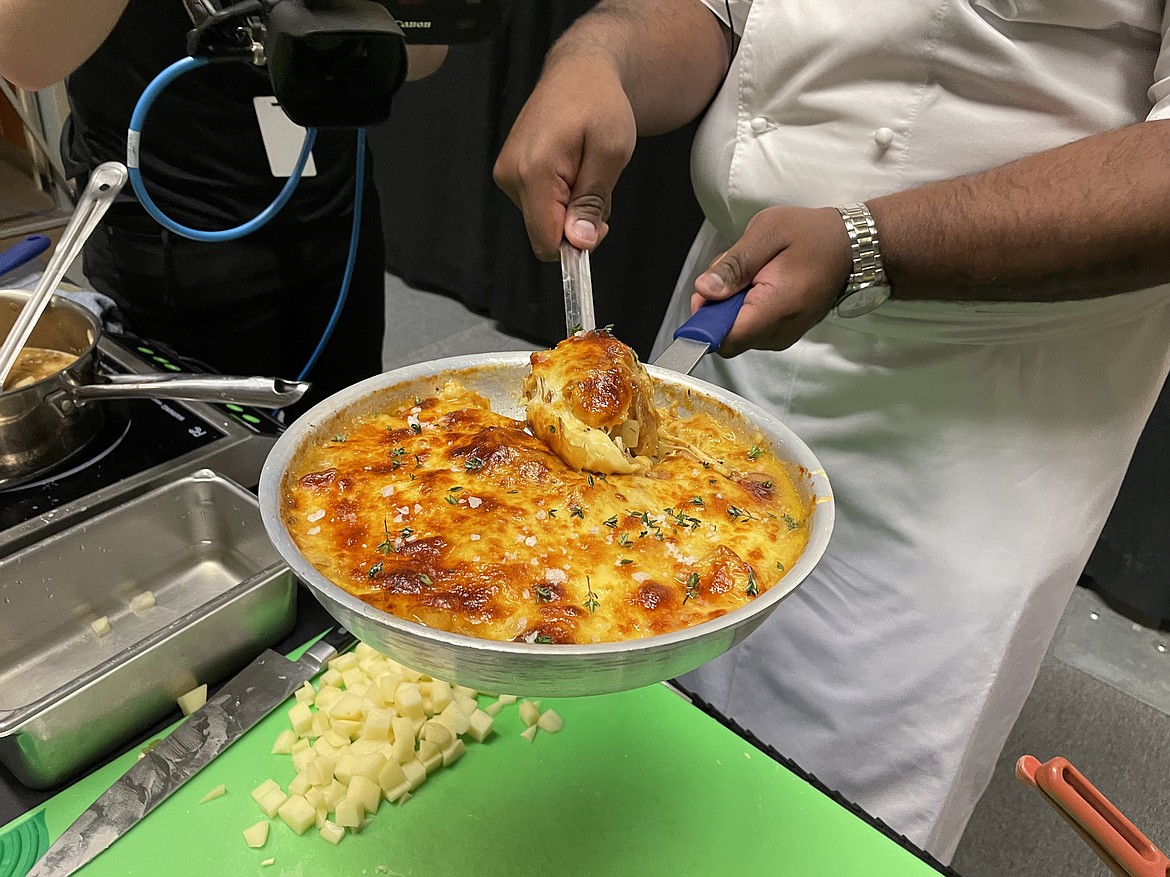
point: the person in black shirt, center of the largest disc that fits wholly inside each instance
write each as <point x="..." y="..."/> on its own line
<point x="257" y="305"/>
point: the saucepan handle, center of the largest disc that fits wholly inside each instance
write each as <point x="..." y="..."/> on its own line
<point x="265" y="392"/>
<point x="1115" y="839"/>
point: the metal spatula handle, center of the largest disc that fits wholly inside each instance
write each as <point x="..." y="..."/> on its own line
<point x="578" y="283"/>
<point x="105" y="183"/>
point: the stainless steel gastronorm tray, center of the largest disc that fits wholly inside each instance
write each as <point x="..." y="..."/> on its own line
<point x="221" y="592"/>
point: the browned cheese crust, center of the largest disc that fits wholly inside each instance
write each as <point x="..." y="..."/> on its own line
<point x="440" y="511"/>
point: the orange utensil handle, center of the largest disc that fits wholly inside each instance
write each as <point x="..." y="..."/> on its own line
<point x="1118" y="842"/>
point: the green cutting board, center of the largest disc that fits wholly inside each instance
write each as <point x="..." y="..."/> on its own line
<point x="638" y="783"/>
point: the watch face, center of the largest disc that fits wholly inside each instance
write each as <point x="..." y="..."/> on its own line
<point x="862" y="301"/>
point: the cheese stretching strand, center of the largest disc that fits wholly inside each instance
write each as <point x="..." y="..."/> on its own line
<point x="444" y="512"/>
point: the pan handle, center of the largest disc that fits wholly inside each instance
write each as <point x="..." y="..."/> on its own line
<point x="1115" y="839"/>
<point x="265" y="392"/>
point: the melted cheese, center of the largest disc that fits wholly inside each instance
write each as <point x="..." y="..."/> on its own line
<point x="442" y="512"/>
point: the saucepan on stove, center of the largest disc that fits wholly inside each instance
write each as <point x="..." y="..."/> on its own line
<point x="52" y="402"/>
<point x="536" y="668"/>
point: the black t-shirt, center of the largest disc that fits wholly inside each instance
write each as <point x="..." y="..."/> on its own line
<point x="202" y="156"/>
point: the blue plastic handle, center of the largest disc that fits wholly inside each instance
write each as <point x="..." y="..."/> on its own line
<point x="24" y="252"/>
<point x="713" y="321"/>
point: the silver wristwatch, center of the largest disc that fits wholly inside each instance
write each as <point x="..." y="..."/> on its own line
<point x="867" y="287"/>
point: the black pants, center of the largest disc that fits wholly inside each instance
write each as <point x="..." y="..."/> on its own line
<point x="256" y="306"/>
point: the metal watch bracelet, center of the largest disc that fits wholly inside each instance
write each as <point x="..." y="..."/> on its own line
<point x="867" y="286"/>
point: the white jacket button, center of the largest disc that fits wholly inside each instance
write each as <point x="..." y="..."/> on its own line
<point x="883" y="137"/>
<point x="759" y="125"/>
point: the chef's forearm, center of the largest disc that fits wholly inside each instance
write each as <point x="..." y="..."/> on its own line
<point x="671" y="56"/>
<point x="42" y="41"/>
<point x="1088" y="219"/>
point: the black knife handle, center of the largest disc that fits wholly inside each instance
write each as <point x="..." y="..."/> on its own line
<point x="335" y="642"/>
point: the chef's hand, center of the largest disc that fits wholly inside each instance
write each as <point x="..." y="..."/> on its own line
<point x="564" y="155"/>
<point x="796" y="261"/>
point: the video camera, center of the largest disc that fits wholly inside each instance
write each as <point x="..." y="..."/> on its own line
<point x="334" y="63"/>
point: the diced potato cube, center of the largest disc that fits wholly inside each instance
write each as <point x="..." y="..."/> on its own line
<point x="332" y="832"/>
<point x="441" y="695"/>
<point x="348" y="706"/>
<point x="377" y="726"/>
<point x="257" y="835"/>
<point x="368" y="764"/>
<point x="415" y="772"/>
<point x="299" y="785"/>
<point x="493" y="708"/>
<point x="470" y="693"/>
<point x="349" y="813"/>
<point x="507" y="699"/>
<point x="335" y="794"/>
<point x="300" y="746"/>
<point x="529" y="713"/>
<point x="362" y="746"/>
<point x="430" y="755"/>
<point x="217" y="792"/>
<point x="101" y="626"/>
<point x="366" y="792"/>
<point x="301" y="718"/>
<point x="529" y="733"/>
<point x="319" y="772"/>
<point x="316" y="796"/>
<point x="284" y="742"/>
<point x="403" y="788"/>
<point x="344" y="662"/>
<point x="337" y="741"/>
<point x="364" y="651"/>
<point x="402" y="749"/>
<point x="266" y="862"/>
<point x="142" y="603"/>
<point x="272" y="802"/>
<point x="327" y="696"/>
<point x="298" y="814"/>
<point x="322" y="817"/>
<point x="455" y="718"/>
<point x="331" y="677"/>
<point x="193" y="699"/>
<point x="324" y="748"/>
<point x="436" y="732"/>
<point x="408" y="701"/>
<point x="303" y="757"/>
<point x="453" y="751"/>
<point x="264" y="790"/>
<point x="391" y="775"/>
<point x="354" y="676"/>
<point x="551" y="721"/>
<point x="306" y="694"/>
<point x="481" y="725"/>
<point x="319" y="726"/>
<point x="347" y="728"/>
<point x="468" y="705"/>
<point x="388" y="683"/>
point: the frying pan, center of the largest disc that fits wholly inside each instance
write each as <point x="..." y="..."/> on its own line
<point x="535" y="669"/>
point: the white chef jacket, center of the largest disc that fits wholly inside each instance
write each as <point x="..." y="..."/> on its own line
<point x="974" y="449"/>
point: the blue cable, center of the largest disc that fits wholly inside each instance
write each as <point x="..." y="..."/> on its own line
<point x="134" y="137"/>
<point x="133" y="140"/>
<point x="351" y="257"/>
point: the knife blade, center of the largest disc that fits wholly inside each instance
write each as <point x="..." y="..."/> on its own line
<point x="704" y="331"/>
<point x="243" y="701"/>
<point x="577" y="279"/>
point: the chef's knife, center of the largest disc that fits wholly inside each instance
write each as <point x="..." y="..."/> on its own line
<point x="704" y="331"/>
<point x="258" y="689"/>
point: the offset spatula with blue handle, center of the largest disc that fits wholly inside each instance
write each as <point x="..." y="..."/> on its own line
<point x="703" y="332"/>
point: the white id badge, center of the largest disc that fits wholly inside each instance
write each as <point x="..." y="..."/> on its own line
<point x="282" y="138"/>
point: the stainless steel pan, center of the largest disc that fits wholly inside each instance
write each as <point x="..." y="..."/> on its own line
<point x="523" y="668"/>
<point x="42" y="424"/>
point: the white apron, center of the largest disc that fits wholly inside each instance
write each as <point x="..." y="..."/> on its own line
<point x="974" y="450"/>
